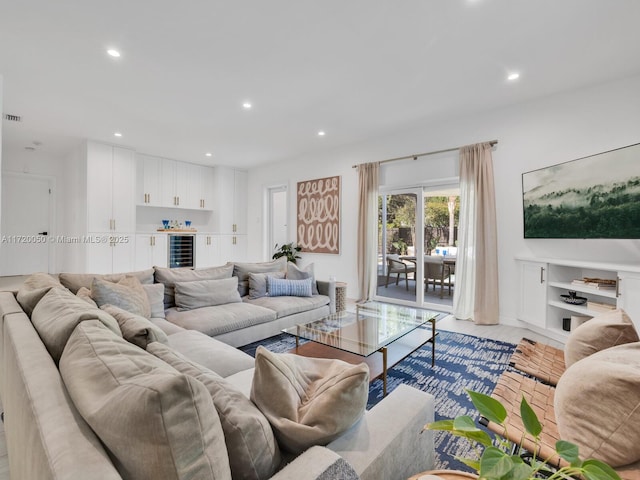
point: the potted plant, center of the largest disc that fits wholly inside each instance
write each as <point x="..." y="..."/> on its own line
<point x="288" y="250"/>
<point x="495" y="462"/>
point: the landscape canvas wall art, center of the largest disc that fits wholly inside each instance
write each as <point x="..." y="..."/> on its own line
<point x="319" y="215"/>
<point x="592" y="197"/>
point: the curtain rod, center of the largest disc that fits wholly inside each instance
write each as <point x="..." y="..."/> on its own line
<point x="415" y="156"/>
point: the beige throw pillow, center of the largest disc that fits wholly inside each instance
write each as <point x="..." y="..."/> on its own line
<point x="242" y="271"/>
<point x="85" y="294"/>
<point x="155" y="294"/>
<point x="74" y="281"/>
<point x="296" y="273"/>
<point x="601" y="332"/>
<point x="155" y="422"/>
<point x="253" y="451"/>
<point x="136" y="329"/>
<point x="308" y="401"/>
<point x="57" y="315"/>
<point x="34" y="288"/>
<point x="206" y="293"/>
<point x="258" y="283"/>
<point x="127" y="294"/>
<point x="169" y="276"/>
<point x="597" y="405"/>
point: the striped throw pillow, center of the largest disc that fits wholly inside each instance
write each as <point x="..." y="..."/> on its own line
<point x="279" y="287"/>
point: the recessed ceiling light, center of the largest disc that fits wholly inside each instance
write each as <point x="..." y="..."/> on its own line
<point x="321" y="133"/>
<point x="208" y="154"/>
<point x="246" y="105"/>
<point x="513" y="76"/>
<point x="113" y="52"/>
<point x="117" y="134"/>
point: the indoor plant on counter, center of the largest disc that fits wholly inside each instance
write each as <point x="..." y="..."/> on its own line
<point x="495" y="462"/>
<point x="288" y="250"/>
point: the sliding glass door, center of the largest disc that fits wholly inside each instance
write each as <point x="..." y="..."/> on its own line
<point x="417" y="246"/>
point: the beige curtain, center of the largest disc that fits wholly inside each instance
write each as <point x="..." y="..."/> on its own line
<point x="367" y="253"/>
<point x="476" y="293"/>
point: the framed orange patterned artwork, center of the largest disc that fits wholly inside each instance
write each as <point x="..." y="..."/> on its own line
<point x="319" y="215"/>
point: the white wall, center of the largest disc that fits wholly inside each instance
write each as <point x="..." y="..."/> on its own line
<point x="1" y="122"/>
<point x="531" y="135"/>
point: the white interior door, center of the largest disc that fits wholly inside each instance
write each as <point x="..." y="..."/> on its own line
<point x="26" y="224"/>
<point x="277" y="214"/>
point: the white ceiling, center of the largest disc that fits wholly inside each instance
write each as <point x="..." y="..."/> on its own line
<point x="355" y="68"/>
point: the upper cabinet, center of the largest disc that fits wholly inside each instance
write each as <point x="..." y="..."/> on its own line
<point x="231" y="198"/>
<point x="162" y="182"/>
<point x="149" y="186"/>
<point x="111" y="176"/>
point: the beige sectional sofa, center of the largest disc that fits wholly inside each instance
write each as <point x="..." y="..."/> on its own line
<point x="71" y="373"/>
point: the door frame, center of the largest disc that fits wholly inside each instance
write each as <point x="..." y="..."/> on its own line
<point x="268" y="191"/>
<point x="51" y="232"/>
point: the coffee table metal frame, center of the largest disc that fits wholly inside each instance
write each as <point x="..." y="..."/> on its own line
<point x="326" y="342"/>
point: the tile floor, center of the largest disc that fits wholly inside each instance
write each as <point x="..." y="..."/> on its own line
<point x="503" y="333"/>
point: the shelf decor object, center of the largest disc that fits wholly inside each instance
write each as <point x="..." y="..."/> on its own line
<point x="573" y="299"/>
<point x="319" y="215"/>
<point x="585" y="198"/>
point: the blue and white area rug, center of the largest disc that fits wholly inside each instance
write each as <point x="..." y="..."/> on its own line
<point x="462" y="362"/>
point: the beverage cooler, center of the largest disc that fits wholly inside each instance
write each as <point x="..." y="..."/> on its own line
<point x="182" y="250"/>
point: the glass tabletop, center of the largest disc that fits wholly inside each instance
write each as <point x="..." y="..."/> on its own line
<point x="372" y="326"/>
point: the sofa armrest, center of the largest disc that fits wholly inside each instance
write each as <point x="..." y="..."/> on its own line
<point x="328" y="289"/>
<point x="311" y="464"/>
<point x="387" y="444"/>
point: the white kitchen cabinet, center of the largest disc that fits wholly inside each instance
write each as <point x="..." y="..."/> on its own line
<point x="544" y="281"/>
<point x="149" y="181"/>
<point x="175" y="184"/>
<point x="533" y="293"/>
<point x="231" y="200"/>
<point x="151" y="250"/>
<point x="107" y="252"/>
<point x="629" y="295"/>
<point x="111" y="174"/>
<point x="204" y="180"/>
<point x="233" y="248"/>
<point x="208" y="250"/>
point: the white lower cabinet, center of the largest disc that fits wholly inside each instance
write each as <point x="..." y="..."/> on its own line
<point x="151" y="250"/>
<point x="208" y="250"/>
<point x="543" y="282"/>
<point x="233" y="248"/>
<point x="110" y="253"/>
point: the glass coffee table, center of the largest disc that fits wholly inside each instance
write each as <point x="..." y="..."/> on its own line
<point x="378" y="334"/>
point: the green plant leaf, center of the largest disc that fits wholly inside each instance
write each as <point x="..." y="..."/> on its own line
<point x="475" y="464"/>
<point x="446" y="425"/>
<point x="529" y="418"/>
<point x="465" y="423"/>
<point x="490" y="408"/>
<point x="568" y="451"/>
<point x="520" y="471"/>
<point x="596" y="470"/>
<point x="479" y="436"/>
<point x="494" y="464"/>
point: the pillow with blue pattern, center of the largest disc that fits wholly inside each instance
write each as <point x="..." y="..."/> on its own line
<point x="280" y="287"/>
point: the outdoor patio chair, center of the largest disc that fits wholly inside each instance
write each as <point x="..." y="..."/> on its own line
<point x="398" y="267"/>
<point x="539" y="360"/>
<point x="435" y="273"/>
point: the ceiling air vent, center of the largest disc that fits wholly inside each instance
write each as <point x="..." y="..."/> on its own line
<point x="12" y="118"/>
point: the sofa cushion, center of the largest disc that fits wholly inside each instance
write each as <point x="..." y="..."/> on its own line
<point x="136" y="329"/>
<point x="127" y="294"/>
<point x="36" y="286"/>
<point x="289" y="288"/>
<point x="253" y="451"/>
<point x="296" y="273"/>
<point x="169" y="276"/>
<point x="85" y="294"/>
<point x="155" y="294"/>
<point x="258" y="283"/>
<point x="242" y="271"/>
<point x="57" y="314"/>
<point x="597" y="405"/>
<point x="154" y="421"/>
<point x="221" y="319"/>
<point x="206" y="293"/>
<point x="308" y="401"/>
<point x="213" y="354"/>
<point x="73" y="281"/>
<point x="284" y="306"/>
<point x="601" y="332"/>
